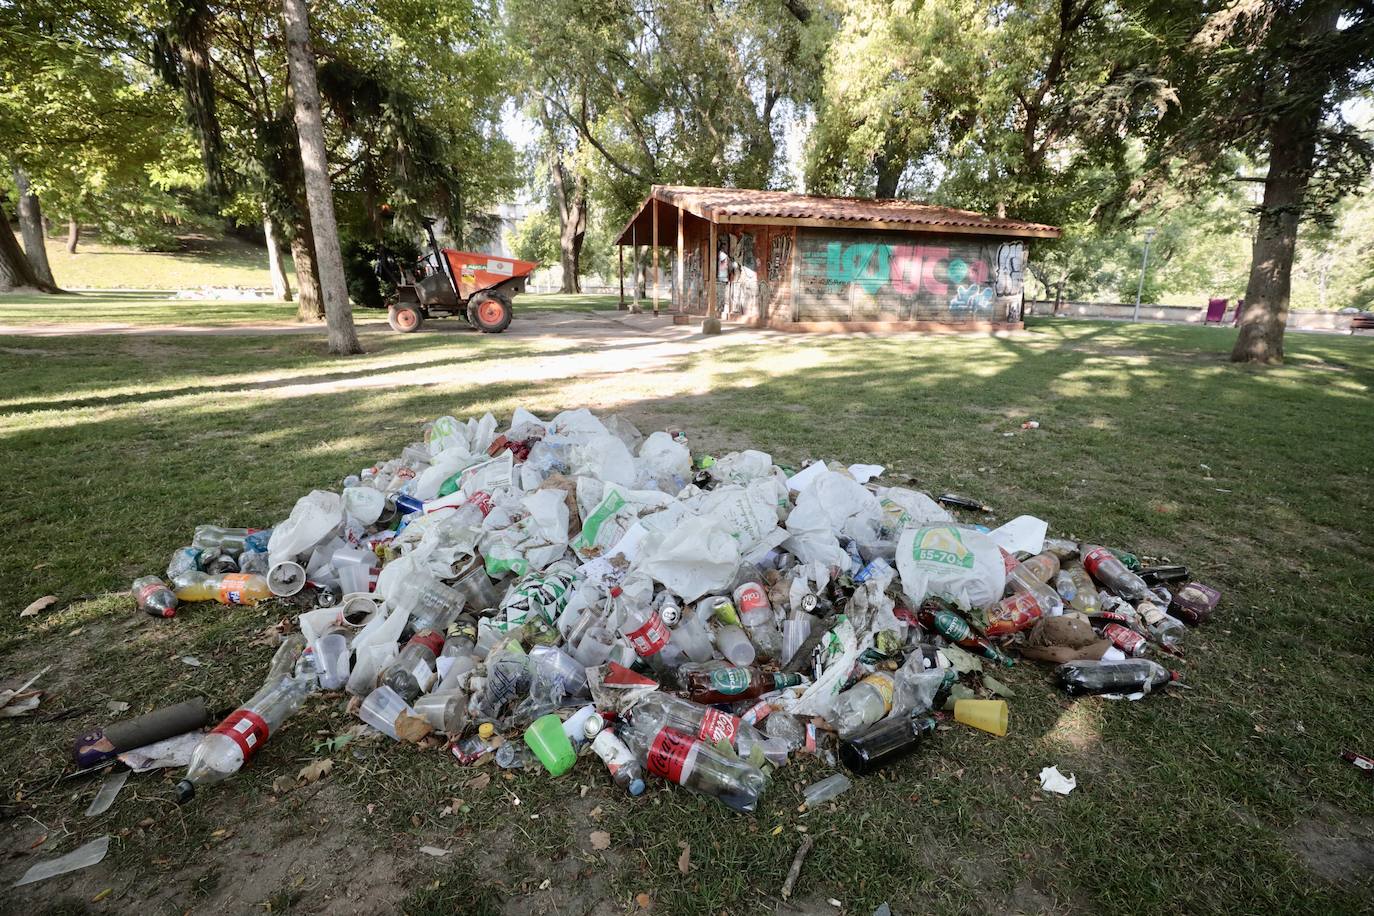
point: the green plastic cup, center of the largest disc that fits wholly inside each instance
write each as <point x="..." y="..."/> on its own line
<point x="550" y="744"/>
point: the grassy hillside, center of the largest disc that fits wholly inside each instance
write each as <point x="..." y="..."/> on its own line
<point x="201" y="262"/>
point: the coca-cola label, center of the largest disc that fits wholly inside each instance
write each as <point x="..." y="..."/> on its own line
<point x="749" y="598"/>
<point x="432" y="640"/>
<point x="718" y="726"/>
<point x="1128" y="641"/>
<point x="247" y="729"/>
<point x="668" y="754"/>
<point x="757" y="713"/>
<point x="482" y="500"/>
<point x="1095" y="558"/>
<point x="731" y="681"/>
<point x="231" y="588"/>
<point x="651" y="637"/>
<point x="1014" y="614"/>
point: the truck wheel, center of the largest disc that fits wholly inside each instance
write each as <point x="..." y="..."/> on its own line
<point x="489" y="313"/>
<point x="404" y="318"/>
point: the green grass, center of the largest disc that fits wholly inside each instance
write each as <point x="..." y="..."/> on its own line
<point x="200" y="262"/>
<point x="1206" y="800"/>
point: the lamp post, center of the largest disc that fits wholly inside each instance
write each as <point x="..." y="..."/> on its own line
<point x="1144" y="262"/>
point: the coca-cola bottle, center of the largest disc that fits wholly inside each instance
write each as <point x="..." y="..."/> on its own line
<point x="646" y="633"/>
<point x="1106" y="568"/>
<point x="756" y="614"/>
<point x="1131" y="675"/>
<point x="224" y="751"/>
<point x="412" y="671"/>
<point x="154" y="598"/>
<point x="625" y="770"/>
<point x="717" y="683"/>
<point x="690" y="762"/>
<point x="706" y="722"/>
<point x="885" y="742"/>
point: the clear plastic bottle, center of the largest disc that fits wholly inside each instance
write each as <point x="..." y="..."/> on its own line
<point x="692" y="763"/>
<point x="625" y="770"/>
<point x="224" y="751"/>
<point x="1108" y="569"/>
<point x="184" y="560"/>
<point x="412" y="672"/>
<point x="431" y="603"/>
<point x="229" y="540"/>
<point x="705" y="722"/>
<point x="1020" y="611"/>
<point x="229" y="588"/>
<point x="863" y="704"/>
<point x="1164" y="629"/>
<point x="1077" y="589"/>
<point x="1131" y="675"/>
<point x="756" y="614"/>
<point x="645" y="631"/>
<point x="1031" y="572"/>
<point x="153" y="597"/>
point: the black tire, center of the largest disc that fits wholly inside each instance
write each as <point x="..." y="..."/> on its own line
<point x="405" y="318"/>
<point x="490" y="313"/>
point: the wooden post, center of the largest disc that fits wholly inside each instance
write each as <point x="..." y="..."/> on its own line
<point x="634" y="268"/>
<point x="679" y="273"/>
<point x="620" y="250"/>
<point x="712" y="265"/>
<point x="655" y="216"/>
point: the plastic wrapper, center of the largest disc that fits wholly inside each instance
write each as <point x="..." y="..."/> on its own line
<point x="699" y="557"/>
<point x="959" y="565"/>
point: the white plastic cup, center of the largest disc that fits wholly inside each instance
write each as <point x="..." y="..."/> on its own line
<point x="735" y="646"/>
<point x="286" y="578"/>
<point x="594" y="649"/>
<point x="357" y="609"/>
<point x="382" y="708"/>
<point x="333" y="655"/>
<point x="447" y="712"/>
<point x="354" y="566"/>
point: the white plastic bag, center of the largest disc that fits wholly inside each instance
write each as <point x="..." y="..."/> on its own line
<point x="604" y="457"/>
<point x="363" y="504"/>
<point x="314" y="517"/>
<point x="664" y="464"/>
<point x="958" y="564"/>
<point x="698" y="557"/>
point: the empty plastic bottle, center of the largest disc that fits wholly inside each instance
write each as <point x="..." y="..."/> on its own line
<point x="184" y="560"/>
<point x="706" y="722"/>
<point x="229" y="540"/>
<point x="1132" y="675"/>
<point x="1108" y="569"/>
<point x="717" y="683"/>
<point x="224" y="751"/>
<point x="646" y="633"/>
<point x="756" y="615"/>
<point x="1164" y="628"/>
<point x="431" y="603"/>
<point x="1077" y="589"/>
<point x="1020" y="611"/>
<point x="228" y="588"/>
<point x="153" y="597"/>
<point x="625" y="770"/>
<point x="863" y="704"/>
<point x="412" y="672"/>
<point x="692" y="763"/>
<point x="1034" y="571"/>
<point x="884" y="743"/>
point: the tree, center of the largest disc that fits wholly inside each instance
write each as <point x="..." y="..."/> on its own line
<point x="343" y="338"/>
<point x="31" y="226"/>
<point x="1267" y="78"/>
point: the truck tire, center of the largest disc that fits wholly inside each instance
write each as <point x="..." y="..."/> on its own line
<point x="405" y="318"/>
<point x="489" y="313"/>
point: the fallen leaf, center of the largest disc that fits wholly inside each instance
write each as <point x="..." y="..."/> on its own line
<point x="102" y="895"/>
<point x="643" y="901"/>
<point x="315" y="770"/>
<point x="595" y="812"/>
<point x="480" y="781"/>
<point x="600" y="839"/>
<point x="41" y="604"/>
<point x="412" y="728"/>
<point x="684" y="861"/>
<point x="41" y="565"/>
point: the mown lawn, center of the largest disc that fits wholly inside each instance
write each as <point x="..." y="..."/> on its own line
<point x="1228" y="797"/>
<point x="200" y="262"/>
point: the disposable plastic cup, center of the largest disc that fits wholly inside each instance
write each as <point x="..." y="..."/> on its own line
<point x="476" y="588"/>
<point x="382" y="708"/>
<point x="447" y="712"/>
<point x="333" y="653"/>
<point x="550" y="744"/>
<point x="357" y="609"/>
<point x="319" y="556"/>
<point x="735" y="646"/>
<point x="354" y="566"/>
<point x="286" y="578"/>
<point x="593" y="650"/>
<point x="987" y="715"/>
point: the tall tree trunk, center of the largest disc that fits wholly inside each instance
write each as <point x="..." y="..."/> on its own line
<point x="309" y="301"/>
<point x="31" y="227"/>
<point x="343" y="338"/>
<point x="276" y="266"/>
<point x="73" y="234"/>
<point x="571" y="191"/>
<point x="1292" y="148"/>
<point x="15" y="269"/>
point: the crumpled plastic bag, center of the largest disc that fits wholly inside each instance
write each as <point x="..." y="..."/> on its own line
<point x="604" y="457"/>
<point x="961" y="565"/>
<point x="577" y="424"/>
<point x="749" y="513"/>
<point x="664" y="464"/>
<point x="445" y="464"/>
<point x="823" y="508"/>
<point x="314" y="517"/>
<point x="608" y="510"/>
<point x="742" y="467"/>
<point x="835" y="658"/>
<point x="474" y="436"/>
<point x="698" y="557"/>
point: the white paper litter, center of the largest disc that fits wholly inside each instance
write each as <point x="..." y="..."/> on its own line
<point x="1051" y="780"/>
<point x="1023" y="534"/>
<point x="863" y="473"/>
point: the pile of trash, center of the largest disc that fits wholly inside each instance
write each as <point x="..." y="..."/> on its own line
<point x="569" y="584"/>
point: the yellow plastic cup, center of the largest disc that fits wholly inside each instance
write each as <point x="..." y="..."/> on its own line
<point x="987" y="715"/>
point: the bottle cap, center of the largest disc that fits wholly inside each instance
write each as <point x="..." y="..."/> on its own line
<point x="671" y="614"/>
<point x="486" y="730"/>
<point x="593" y="726"/>
<point x="637" y="788"/>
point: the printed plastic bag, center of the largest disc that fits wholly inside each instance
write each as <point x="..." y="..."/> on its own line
<point x="958" y="564"/>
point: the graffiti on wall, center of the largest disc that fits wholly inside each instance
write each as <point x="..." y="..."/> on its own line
<point x="852" y="275"/>
<point x="743" y="290"/>
<point x="779" y="254"/>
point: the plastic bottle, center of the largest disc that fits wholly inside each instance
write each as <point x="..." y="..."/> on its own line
<point x="224" y="751"/>
<point x="509" y="674"/>
<point x="412" y="672"/>
<point x="1164" y="629"/>
<point x="431" y="603"/>
<point x="884" y="743"/>
<point x="1021" y="611"/>
<point x="229" y="540"/>
<point x="1034" y="571"/>
<point x="625" y="770"/>
<point x="1077" y="589"/>
<point x="1106" y="568"/>
<point x="184" y="560"/>
<point x="229" y="588"/>
<point x="645" y="631"/>
<point x="863" y="704"/>
<point x="756" y="615"/>
<point x="692" y="763"/>
<point x="705" y="722"/>
<point x="717" y="683"/>
<point x="153" y="597"/>
<point x="1132" y="675"/>
<point x="475" y="747"/>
